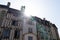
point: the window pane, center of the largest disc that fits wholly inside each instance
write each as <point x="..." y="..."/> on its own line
<point x="1" y="20"/>
<point x="16" y="34"/>
<point x="30" y="30"/>
<point x="6" y="33"/>
<point x="42" y="35"/>
<point x="30" y="22"/>
<point x="30" y="38"/>
<point x="15" y="23"/>
<point x="3" y="13"/>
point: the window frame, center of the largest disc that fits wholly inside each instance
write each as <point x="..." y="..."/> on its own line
<point x="30" y="22"/>
<point x="7" y="34"/>
<point x="16" y="34"/>
<point x="30" y="30"/>
<point x="30" y="38"/>
<point x="14" y="22"/>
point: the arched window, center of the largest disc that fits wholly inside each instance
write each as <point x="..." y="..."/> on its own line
<point x="30" y="38"/>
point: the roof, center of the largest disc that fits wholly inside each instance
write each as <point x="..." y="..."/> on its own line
<point x="38" y="19"/>
<point x="11" y="10"/>
<point x="3" y="6"/>
<point x="54" y="26"/>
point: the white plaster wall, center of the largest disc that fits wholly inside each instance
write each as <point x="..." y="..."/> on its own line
<point x="26" y="26"/>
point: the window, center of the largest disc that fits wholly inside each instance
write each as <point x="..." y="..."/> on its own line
<point x="46" y="38"/>
<point x="15" y="23"/>
<point x="30" y="38"/>
<point x="30" y="22"/>
<point x="15" y="13"/>
<point x="54" y="39"/>
<point x="0" y="35"/>
<point x="6" y="33"/>
<point x="1" y="20"/>
<point x="3" y="13"/>
<point x="41" y="34"/>
<point x="30" y="30"/>
<point x="42" y="37"/>
<point x="17" y="34"/>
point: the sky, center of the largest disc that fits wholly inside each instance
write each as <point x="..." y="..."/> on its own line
<point x="49" y="9"/>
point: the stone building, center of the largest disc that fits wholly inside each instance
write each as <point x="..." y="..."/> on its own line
<point x="10" y="23"/>
<point x="15" y="26"/>
<point x="54" y="32"/>
<point x="46" y="30"/>
<point x="29" y="29"/>
<point x="42" y="29"/>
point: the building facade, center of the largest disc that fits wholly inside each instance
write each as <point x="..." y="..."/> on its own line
<point x="54" y="32"/>
<point x="46" y="30"/>
<point x="10" y="23"/>
<point x="29" y="29"/>
<point x="15" y="26"/>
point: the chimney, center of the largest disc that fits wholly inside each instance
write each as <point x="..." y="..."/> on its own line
<point x="43" y="18"/>
<point x="44" y="22"/>
<point x="22" y="9"/>
<point x="8" y="4"/>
